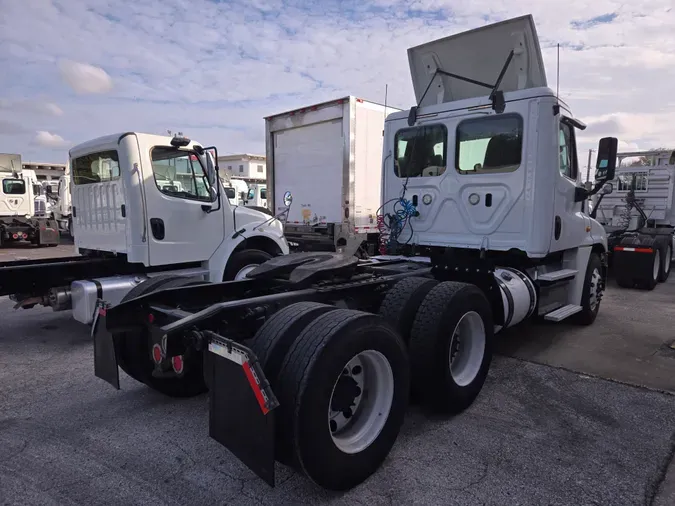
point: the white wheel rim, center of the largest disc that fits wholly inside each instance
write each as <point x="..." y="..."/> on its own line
<point x="467" y="348"/>
<point x="595" y="291"/>
<point x="657" y="264"/>
<point x="366" y="389"/>
<point x="244" y="271"/>
<point x="668" y="259"/>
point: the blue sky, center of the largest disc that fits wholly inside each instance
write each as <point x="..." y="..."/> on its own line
<point x="75" y="70"/>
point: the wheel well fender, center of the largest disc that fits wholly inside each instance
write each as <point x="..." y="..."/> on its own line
<point x="221" y="257"/>
<point x="259" y="242"/>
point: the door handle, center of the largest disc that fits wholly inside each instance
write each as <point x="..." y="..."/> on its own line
<point x="157" y="228"/>
<point x="558" y="228"/>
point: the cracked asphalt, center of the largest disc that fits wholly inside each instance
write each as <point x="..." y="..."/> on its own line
<point x="555" y="424"/>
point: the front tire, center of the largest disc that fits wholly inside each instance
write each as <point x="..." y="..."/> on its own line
<point x="594" y="287"/>
<point x="343" y="392"/>
<point x="243" y="262"/>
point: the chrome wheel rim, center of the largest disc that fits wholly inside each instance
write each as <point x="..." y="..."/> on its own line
<point x="244" y="271"/>
<point x="467" y="348"/>
<point x="360" y="401"/>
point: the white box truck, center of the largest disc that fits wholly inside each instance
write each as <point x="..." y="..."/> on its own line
<point x="329" y="157"/>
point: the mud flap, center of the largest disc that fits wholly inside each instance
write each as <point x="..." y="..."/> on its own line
<point x="105" y="358"/>
<point x="49" y="232"/>
<point x="241" y="415"/>
<point x="634" y="263"/>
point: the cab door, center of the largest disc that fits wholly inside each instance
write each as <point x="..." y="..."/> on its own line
<point x="569" y="222"/>
<point x="179" y="197"/>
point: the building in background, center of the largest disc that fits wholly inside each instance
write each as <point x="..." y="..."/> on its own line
<point x="251" y="168"/>
<point x="46" y="171"/>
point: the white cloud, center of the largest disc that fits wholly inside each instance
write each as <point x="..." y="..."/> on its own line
<point x="50" y="140"/>
<point x="215" y="69"/>
<point x="31" y="106"/>
<point x="85" y="78"/>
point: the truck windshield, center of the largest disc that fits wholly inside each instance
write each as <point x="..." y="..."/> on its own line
<point x="13" y="187"/>
<point x="179" y="173"/>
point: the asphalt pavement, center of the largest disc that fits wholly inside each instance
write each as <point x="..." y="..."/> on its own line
<point x="568" y="416"/>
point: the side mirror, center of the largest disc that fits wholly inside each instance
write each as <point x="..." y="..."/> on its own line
<point x="288" y="199"/>
<point x="606" y="163"/>
<point x="242" y="196"/>
<point x="48" y="190"/>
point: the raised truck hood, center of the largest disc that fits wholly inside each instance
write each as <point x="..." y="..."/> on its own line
<point x="478" y="54"/>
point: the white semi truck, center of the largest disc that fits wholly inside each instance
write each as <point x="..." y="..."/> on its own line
<point x="329" y="156"/>
<point x="23" y="206"/>
<point x="309" y="361"/>
<point x="639" y="218"/>
<point x="130" y="225"/>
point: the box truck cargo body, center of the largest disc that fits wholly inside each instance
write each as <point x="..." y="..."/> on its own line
<point x="328" y="157"/>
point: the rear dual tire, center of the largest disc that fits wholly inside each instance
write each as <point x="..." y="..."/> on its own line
<point x="342" y="380"/>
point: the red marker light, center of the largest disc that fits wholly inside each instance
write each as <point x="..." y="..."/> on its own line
<point x="157" y="353"/>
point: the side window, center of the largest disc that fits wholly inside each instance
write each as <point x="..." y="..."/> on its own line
<point x="263" y="193"/>
<point x="251" y="194"/>
<point x="179" y="173"/>
<point x="567" y="151"/>
<point x="636" y="181"/>
<point x="96" y="168"/>
<point x="13" y="186"/>
<point x="420" y="151"/>
<point x="486" y="145"/>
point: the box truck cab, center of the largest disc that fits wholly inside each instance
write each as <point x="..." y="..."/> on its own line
<point x="143" y="205"/>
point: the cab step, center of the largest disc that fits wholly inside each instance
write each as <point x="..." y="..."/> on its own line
<point x="562" y="312"/>
<point x="563" y="274"/>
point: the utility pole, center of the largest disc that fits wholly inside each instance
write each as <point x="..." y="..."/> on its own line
<point x="588" y="167"/>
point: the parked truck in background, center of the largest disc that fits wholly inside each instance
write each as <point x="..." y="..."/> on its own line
<point x="638" y="214"/>
<point x="257" y="195"/>
<point x="143" y="206"/>
<point x="23" y="206"/>
<point x="310" y="360"/>
<point x="329" y="157"/>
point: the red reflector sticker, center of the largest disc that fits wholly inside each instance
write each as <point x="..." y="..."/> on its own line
<point x="102" y="311"/>
<point x="256" y="388"/>
<point x="633" y="250"/>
